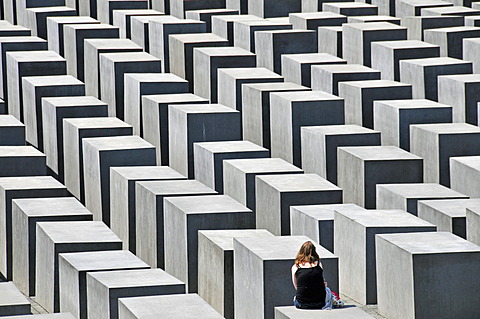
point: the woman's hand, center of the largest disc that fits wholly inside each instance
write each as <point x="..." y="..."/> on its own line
<point x="325" y="283"/>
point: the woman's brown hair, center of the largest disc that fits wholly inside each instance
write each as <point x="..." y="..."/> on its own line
<point x="307" y="253"/>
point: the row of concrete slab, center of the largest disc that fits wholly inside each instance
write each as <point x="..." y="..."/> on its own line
<point x="202" y="152"/>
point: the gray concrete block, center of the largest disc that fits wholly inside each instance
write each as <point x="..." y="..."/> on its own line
<point x="374" y="18"/>
<point x="271" y="8"/>
<point x="36" y="88"/>
<point x="416" y="25"/>
<point x="464" y="172"/>
<point x="20" y="187"/>
<point x="354" y="238"/>
<point x="411" y="261"/>
<point x="275" y="194"/>
<point x="46" y="316"/>
<point x="450" y="39"/>
<point x="351" y="8"/>
<point x="469" y="48"/>
<point x="330" y="40"/>
<point x="73" y="269"/>
<point x="436" y="143"/>
<point x="12" y="302"/>
<point x="140" y="31"/>
<point x="473" y="224"/>
<point x="456" y="10"/>
<point x="188" y="306"/>
<point x="154" y="110"/>
<point x="87" y="8"/>
<point x="316" y="222"/>
<point x="113" y="67"/>
<point x="55" y="34"/>
<point x="462" y="93"/>
<point x="313" y="20"/>
<point x="290" y="312"/>
<point x="92" y="49"/>
<point x="196" y="213"/>
<point x="18" y="161"/>
<point x="206" y="15"/>
<point x="423" y="74"/>
<point x="231" y="81"/>
<point x="207" y="61"/>
<point x="54" y="111"/>
<point x="150" y="215"/>
<point x="10" y="30"/>
<point x="28" y="63"/>
<point x="240" y="5"/>
<point x="393" y="118"/>
<point x="181" y="52"/>
<point x="327" y="77"/>
<point x="262" y="276"/>
<point x="289" y="111"/>
<point x="105" y="8"/>
<point x="12" y="43"/>
<point x="472" y="21"/>
<point x="296" y="68"/>
<point x="215" y="266"/>
<point x="106" y="287"/>
<point x="386" y="55"/>
<point x="101" y="153"/>
<point x="378" y="165"/>
<point x="314" y="5"/>
<point x="25" y="214"/>
<point x="159" y="30"/>
<point x="209" y="157"/>
<point x="256" y="109"/>
<point x="37" y="18"/>
<point x="449" y="215"/>
<point x="223" y="26"/>
<point x="239" y="176"/>
<point x="191" y="123"/>
<point x="245" y="31"/>
<point x="319" y="146"/>
<point x="123" y="199"/>
<point x="360" y="97"/>
<point x="123" y="18"/>
<point x="54" y="238"/>
<point x="139" y="84"/>
<point x="12" y="131"/>
<point x="75" y="35"/>
<point x="406" y="196"/>
<point x="271" y="45"/>
<point x="179" y="7"/>
<point x="407" y="8"/>
<point x="74" y="131"/>
<point x="358" y="37"/>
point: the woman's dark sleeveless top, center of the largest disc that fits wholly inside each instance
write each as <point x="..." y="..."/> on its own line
<point x="310" y="285"/>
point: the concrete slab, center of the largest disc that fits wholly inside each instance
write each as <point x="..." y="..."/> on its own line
<point x="450" y="39"/>
<point x="313" y="20"/>
<point x="37" y="18"/>
<point x="406" y="8"/>
<point x="290" y="312"/>
<point x="271" y="8"/>
<point x="330" y="40"/>
<point x="179" y="7"/>
<point x="245" y="31"/>
<point x="18" y="161"/>
<point x="12" y="302"/>
<point x="123" y="18"/>
<point x="351" y="8"/>
<point x="223" y="26"/>
<point x="416" y="25"/>
<point x="12" y="131"/>
<point x="105" y="8"/>
<point x="206" y="15"/>
<point x="473" y="222"/>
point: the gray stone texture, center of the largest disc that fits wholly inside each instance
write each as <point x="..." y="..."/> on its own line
<point x="216" y="266"/>
<point x="206" y="15"/>
<point x="330" y="40"/>
<point x="104" y="288"/>
<point x="179" y="7"/>
<point x="394" y="117"/>
<point x="123" y="18"/>
<point x="416" y="25"/>
<point x="374" y="18"/>
<point x="436" y="143"/>
<point x="73" y="269"/>
<point x="423" y="74"/>
<point x="289" y="111"/>
<point x="105" y="8"/>
<point x="464" y="175"/>
<point x="25" y="215"/>
<point x="470" y="47"/>
<point x="361" y="168"/>
<point x="262" y="273"/>
<point x="407" y="8"/>
<point x="316" y="222"/>
<point x="18" y="161"/>
<point x="223" y="26"/>
<point x="12" y="131"/>
<point x="319" y="146"/>
<point x="271" y="8"/>
<point x="456" y="10"/>
<point x="275" y="194"/>
<point x="74" y="130"/>
<point x="140" y="31"/>
<point x="123" y="198"/>
<point x="354" y="238"/>
<point x="154" y="110"/>
<point x="411" y="261"/>
<point x="351" y="8"/>
<point x="473" y="224"/>
<point x="184" y="217"/>
<point x="207" y="61"/>
<point x="37" y="18"/>
<point x="450" y="39"/>
<point x="245" y="31"/>
<point x="20" y="187"/>
<point x="54" y="238"/>
<point x="350" y="312"/>
<point x="12" y="302"/>
<point x="256" y="109"/>
<point x="386" y="55"/>
<point x="190" y="123"/>
<point x="149" y="213"/>
<point x="101" y="153"/>
<point x="313" y="20"/>
<point x="209" y="157"/>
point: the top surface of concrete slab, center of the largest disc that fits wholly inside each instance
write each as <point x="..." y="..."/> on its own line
<point x="53" y="80"/>
<point x="21" y="39"/>
<point x="465" y="78"/>
<point x="79" y="231"/>
<point x="384" y="218"/>
<point x="97" y="122"/>
<point x="236" y="17"/>
<point x="449" y="128"/>
<point x="182" y="187"/>
<point x="260" y="165"/>
<point x="324" y="212"/>
<point x="117" y="142"/>
<point x="380" y="153"/>
<point x="36" y="207"/>
<point x="248" y="73"/>
<point x="45" y="316"/>
<point x="313" y="58"/>
<point x="111" y="44"/>
<point x="35" y="56"/>
<point x="155" y="77"/>
<point x="98" y="260"/>
<point x="231" y="146"/>
<point x="74" y="101"/>
<point x="350" y="5"/>
<point x="431" y="243"/>
<point x="365" y="84"/>
<point x="207" y="204"/>
<point x="197" y="37"/>
<point x="224" y="238"/>
<point x="339" y="129"/>
<point x="421" y="190"/>
<point x="308" y="96"/>
<point x="284" y="86"/>
<point x="91" y="26"/>
<point x="412" y="104"/>
<point x="318" y="15"/>
<point x="135" y="278"/>
<point x="434" y="61"/>
<point x="225" y="51"/>
<point x="452" y="207"/>
<point x="129" y="57"/>
<point x="9" y="120"/>
<point x="345" y="68"/>
<point x="453" y="29"/>
<point x="10" y="295"/>
<point x="406" y="44"/>
<point x="348" y="312"/>
<point x="29" y="182"/>
<point x="175" y="98"/>
<point x="298" y="182"/>
<point x="15" y="151"/>
<point x="151" y="172"/>
<point x="375" y="26"/>
<point x="73" y="19"/>
<point x="204" y="108"/>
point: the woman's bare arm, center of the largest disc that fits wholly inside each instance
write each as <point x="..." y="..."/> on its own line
<point x="294" y="279"/>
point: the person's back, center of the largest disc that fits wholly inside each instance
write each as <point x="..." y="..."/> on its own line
<point x="310" y="285"/>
